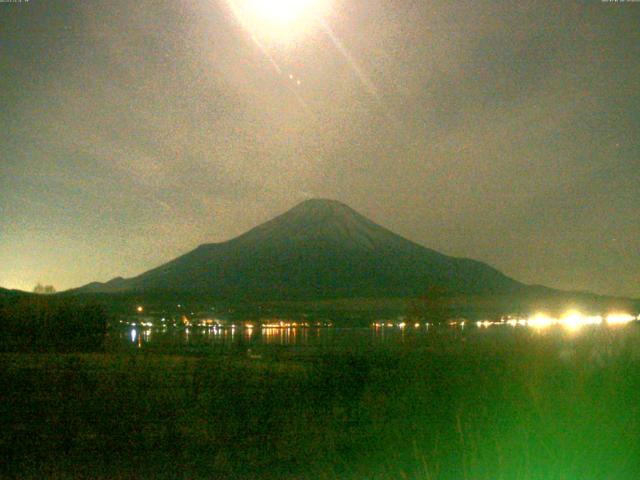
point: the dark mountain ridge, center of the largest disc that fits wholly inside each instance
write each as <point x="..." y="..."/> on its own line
<point x="318" y="249"/>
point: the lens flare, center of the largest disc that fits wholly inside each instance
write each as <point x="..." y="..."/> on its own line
<point x="279" y="21"/>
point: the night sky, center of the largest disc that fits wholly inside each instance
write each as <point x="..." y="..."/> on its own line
<point x="133" y="131"/>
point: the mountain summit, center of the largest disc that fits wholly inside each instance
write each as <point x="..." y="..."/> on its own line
<point x="324" y="221"/>
<point x="318" y="249"/>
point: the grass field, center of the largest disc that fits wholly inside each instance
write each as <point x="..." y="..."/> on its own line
<point x="531" y="408"/>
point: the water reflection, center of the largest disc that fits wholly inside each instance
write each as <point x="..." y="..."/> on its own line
<point x="403" y="333"/>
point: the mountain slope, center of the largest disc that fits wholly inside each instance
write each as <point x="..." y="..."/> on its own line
<point x="318" y="249"/>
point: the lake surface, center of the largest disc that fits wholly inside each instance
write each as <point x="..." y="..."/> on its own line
<point x="605" y="340"/>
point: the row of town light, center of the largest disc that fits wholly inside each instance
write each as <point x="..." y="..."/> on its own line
<point x="571" y="320"/>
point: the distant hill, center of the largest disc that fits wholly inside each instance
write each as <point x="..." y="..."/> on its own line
<point x="4" y="292"/>
<point x="319" y="249"/>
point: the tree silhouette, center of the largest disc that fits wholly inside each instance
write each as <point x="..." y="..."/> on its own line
<point x="44" y="289"/>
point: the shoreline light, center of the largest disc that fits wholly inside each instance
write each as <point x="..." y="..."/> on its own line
<point x="619" y="318"/>
<point x="571" y="320"/>
<point x="574" y="320"/>
<point x="540" y="320"/>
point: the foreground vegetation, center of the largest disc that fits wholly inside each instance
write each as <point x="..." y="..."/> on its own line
<point x="46" y="324"/>
<point x="537" y="407"/>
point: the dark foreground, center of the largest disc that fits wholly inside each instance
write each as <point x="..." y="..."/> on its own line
<point x="525" y="409"/>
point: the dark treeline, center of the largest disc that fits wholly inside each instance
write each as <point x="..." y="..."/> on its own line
<point x="38" y="324"/>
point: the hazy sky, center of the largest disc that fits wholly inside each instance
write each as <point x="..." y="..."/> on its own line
<point x="133" y="131"/>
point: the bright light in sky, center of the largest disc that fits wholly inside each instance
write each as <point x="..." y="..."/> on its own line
<point x="278" y="12"/>
<point x="279" y="20"/>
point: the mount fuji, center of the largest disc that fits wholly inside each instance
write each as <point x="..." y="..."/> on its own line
<point x="319" y="249"/>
